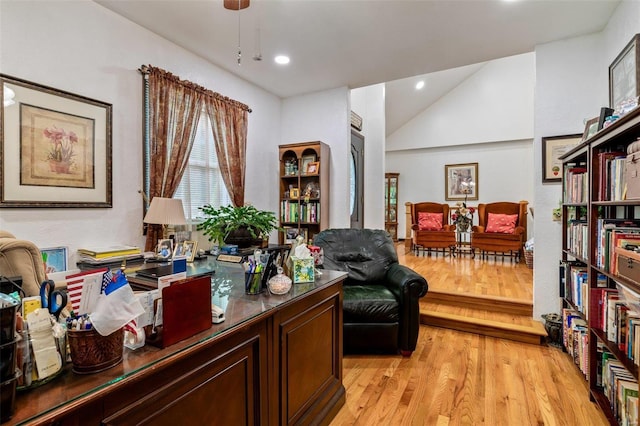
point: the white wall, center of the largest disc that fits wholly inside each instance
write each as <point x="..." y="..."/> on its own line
<point x="571" y="86"/>
<point x="86" y="49"/>
<point x="493" y="104"/>
<point x="504" y="173"/>
<point x="368" y="102"/>
<point x="323" y="116"/>
<point x="487" y="119"/>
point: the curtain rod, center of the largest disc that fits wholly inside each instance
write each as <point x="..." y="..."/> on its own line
<point x="145" y="70"/>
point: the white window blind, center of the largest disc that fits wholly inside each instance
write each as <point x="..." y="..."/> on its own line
<point x="202" y="182"/>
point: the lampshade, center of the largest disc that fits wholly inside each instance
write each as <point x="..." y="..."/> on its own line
<point x="165" y="211"/>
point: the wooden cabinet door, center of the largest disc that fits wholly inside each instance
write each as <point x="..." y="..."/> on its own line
<point x="228" y="389"/>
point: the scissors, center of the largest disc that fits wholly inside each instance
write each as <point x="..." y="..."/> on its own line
<point x="52" y="299"/>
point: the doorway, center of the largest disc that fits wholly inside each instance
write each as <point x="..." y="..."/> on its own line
<point x="356" y="174"/>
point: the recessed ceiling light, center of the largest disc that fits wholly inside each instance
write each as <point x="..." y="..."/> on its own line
<point x="420" y="85"/>
<point x="282" y="59"/>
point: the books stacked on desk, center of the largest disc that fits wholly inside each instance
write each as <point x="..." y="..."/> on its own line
<point x="106" y="255"/>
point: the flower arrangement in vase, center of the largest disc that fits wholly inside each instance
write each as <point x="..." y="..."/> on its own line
<point x="462" y="215"/>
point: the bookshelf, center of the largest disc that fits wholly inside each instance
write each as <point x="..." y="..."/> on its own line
<point x="304" y="189"/>
<point x="598" y="285"/>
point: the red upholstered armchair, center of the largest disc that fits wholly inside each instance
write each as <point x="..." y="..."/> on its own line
<point x="430" y="227"/>
<point x="502" y="228"/>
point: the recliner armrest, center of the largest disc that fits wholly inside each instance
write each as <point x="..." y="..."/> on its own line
<point x="405" y="283"/>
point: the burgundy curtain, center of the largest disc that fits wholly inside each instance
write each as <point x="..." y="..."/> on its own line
<point x="174" y="112"/>
<point x="229" y="124"/>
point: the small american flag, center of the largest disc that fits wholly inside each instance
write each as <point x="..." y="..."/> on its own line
<point x="107" y="278"/>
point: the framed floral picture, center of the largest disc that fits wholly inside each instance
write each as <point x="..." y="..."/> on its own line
<point x="55" y="147"/>
<point x="461" y="181"/>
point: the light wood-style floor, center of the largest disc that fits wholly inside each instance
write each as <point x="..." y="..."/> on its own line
<point x="458" y="378"/>
<point x="495" y="276"/>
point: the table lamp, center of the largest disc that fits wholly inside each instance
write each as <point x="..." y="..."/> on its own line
<point x="165" y="211"/>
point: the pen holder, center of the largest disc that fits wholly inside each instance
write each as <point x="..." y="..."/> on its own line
<point x="92" y="352"/>
<point x="253" y="282"/>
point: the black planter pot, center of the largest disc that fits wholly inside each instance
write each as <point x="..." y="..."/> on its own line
<point x="242" y="238"/>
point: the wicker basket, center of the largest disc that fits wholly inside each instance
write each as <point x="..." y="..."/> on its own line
<point x="528" y="258"/>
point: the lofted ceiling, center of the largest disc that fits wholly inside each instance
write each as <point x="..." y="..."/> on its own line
<point x="357" y="43"/>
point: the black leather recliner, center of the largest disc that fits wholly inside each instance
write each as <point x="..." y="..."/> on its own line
<point x="380" y="305"/>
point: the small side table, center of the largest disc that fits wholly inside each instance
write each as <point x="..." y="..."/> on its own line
<point x="463" y="243"/>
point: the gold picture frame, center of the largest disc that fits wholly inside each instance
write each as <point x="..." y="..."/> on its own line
<point x="55" y="147"/>
<point x="313" y="168"/>
<point x="190" y="249"/>
<point x="455" y="175"/>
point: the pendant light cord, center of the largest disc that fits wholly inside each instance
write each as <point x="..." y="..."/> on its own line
<point x="239" y="49"/>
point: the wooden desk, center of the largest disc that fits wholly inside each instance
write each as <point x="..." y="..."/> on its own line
<point x="275" y="360"/>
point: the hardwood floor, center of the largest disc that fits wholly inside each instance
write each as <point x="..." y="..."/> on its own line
<point x="458" y="378"/>
<point x="463" y="274"/>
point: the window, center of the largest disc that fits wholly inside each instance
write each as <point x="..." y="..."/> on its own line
<point x="202" y="182"/>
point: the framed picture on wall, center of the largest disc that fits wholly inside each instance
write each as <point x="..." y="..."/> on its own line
<point x="55" y="147"/>
<point x="461" y="181"/>
<point x="554" y="147"/>
<point x="624" y="75"/>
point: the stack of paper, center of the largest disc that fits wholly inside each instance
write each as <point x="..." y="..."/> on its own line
<point x="112" y="251"/>
<point x="99" y="255"/>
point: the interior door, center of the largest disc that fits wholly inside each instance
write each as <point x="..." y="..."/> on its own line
<point x="357" y="180"/>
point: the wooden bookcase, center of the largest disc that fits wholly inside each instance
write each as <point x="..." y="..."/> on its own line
<point x="304" y="189"/>
<point x="391" y="204"/>
<point x="593" y="213"/>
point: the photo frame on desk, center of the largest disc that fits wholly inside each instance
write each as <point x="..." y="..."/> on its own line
<point x="554" y="147"/>
<point x="290" y="234"/>
<point x="55" y="147"/>
<point x="190" y="250"/>
<point x="164" y="249"/>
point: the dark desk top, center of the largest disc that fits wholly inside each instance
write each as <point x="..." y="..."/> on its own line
<point x="227" y="288"/>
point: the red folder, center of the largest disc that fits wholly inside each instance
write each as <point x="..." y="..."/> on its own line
<point x="186" y="311"/>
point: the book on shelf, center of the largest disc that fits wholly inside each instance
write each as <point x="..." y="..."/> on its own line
<point x="575" y="183"/>
<point x="599" y="304"/>
<point x="111" y="251"/>
<point x="608" y="234"/>
<point x="611" y="324"/>
<point x="602" y="170"/>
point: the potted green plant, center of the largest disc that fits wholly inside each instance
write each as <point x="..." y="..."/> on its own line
<point x="244" y="225"/>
